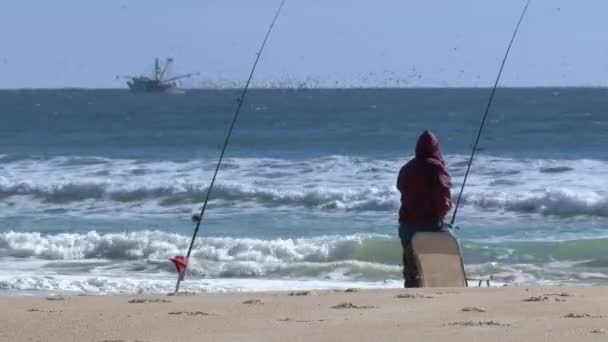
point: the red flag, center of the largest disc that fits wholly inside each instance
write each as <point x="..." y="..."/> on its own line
<point x="181" y="263"/>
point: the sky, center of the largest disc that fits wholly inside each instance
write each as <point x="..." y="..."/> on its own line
<point x="325" y="43"/>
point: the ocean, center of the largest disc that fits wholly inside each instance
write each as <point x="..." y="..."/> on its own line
<point x="97" y="187"/>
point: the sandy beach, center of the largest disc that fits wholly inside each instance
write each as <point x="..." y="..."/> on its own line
<point x="473" y="314"/>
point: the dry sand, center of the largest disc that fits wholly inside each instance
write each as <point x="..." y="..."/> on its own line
<point x="473" y="314"/>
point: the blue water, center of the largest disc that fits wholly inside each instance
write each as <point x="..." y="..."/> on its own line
<point x="97" y="187"/>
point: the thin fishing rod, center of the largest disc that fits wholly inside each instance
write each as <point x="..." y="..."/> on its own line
<point x="236" y="114"/>
<point x="485" y="115"/>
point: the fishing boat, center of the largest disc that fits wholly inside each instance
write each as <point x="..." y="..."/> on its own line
<point x="157" y="83"/>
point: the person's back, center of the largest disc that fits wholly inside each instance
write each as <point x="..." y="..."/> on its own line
<point x="424" y="183"/>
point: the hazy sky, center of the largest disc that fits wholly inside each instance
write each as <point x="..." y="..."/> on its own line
<point x="78" y="43"/>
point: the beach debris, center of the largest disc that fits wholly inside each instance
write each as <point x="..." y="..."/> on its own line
<point x="183" y="293"/>
<point x="472" y="309"/>
<point x="411" y="296"/>
<point x="445" y="292"/>
<point x="349" y="305"/>
<point x="573" y="315"/>
<point x="46" y="311"/>
<point x="299" y="293"/>
<point x="599" y="331"/>
<point x="253" y="301"/>
<point x="558" y="297"/>
<point x="287" y="319"/>
<point x="545" y="297"/>
<point x="563" y="294"/>
<point x="55" y="298"/>
<point x="190" y="313"/>
<point x="142" y="301"/>
<point x="479" y="324"/>
<point x="351" y="290"/>
<point x="536" y="299"/>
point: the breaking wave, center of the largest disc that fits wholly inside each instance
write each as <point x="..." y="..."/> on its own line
<point x="356" y="250"/>
<point x="336" y="183"/>
<point x="557" y="202"/>
<point x="130" y="262"/>
<point x="158" y="245"/>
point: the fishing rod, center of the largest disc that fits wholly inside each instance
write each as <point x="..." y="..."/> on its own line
<point x="181" y="262"/>
<point x="485" y="115"/>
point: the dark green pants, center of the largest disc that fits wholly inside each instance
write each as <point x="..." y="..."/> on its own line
<point x="411" y="273"/>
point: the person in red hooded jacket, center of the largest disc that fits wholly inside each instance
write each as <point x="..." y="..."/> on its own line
<point x="424" y="183"/>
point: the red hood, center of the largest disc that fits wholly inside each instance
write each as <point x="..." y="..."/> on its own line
<point x="428" y="147"/>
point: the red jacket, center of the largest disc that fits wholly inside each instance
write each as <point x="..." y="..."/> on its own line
<point x="424" y="183"/>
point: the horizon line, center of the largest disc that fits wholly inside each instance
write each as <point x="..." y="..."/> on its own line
<point x="320" y="88"/>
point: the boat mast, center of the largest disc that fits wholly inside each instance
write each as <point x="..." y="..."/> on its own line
<point x="156" y="69"/>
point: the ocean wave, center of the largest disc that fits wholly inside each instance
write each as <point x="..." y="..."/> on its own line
<point x="335" y="183"/>
<point x="123" y="262"/>
<point x="363" y="248"/>
<point x="69" y="192"/>
<point x="153" y="285"/>
<point x="356" y="257"/>
<point x="555" y="202"/>
<point x="363" y="199"/>
<point x="158" y="245"/>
